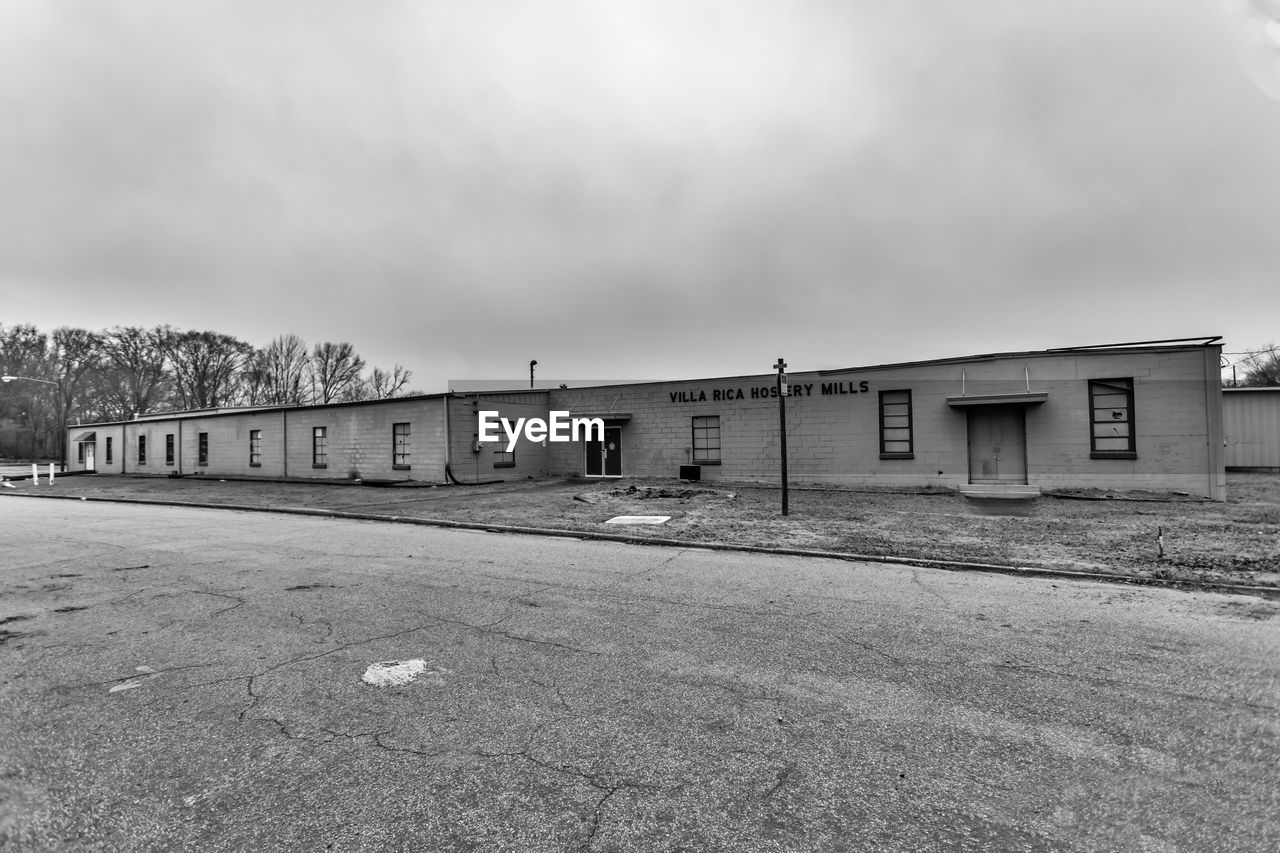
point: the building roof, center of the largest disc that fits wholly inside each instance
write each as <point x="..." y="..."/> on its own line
<point x="1137" y="346"/>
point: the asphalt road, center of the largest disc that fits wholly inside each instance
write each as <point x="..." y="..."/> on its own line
<point x="183" y="679"/>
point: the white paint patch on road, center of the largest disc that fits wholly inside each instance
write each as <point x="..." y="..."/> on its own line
<point x="147" y="674"/>
<point x="639" y="519"/>
<point x="393" y="673"/>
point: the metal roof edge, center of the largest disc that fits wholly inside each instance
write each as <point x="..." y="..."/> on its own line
<point x="1137" y="346"/>
<point x="258" y="410"/>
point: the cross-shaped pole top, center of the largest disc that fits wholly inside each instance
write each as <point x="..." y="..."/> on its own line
<point x="781" y="365"/>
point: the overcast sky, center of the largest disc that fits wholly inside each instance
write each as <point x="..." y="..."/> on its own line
<point x="644" y="188"/>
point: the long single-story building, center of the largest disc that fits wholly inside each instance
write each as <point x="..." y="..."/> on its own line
<point x="1144" y="415"/>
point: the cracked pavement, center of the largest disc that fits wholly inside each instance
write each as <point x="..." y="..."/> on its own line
<point x="187" y="679"/>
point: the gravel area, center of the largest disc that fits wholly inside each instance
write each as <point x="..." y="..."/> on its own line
<point x="1166" y="536"/>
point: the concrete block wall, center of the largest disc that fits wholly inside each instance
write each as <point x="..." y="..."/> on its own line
<point x="154" y="432"/>
<point x="228" y="444"/>
<point x="834" y="430"/>
<point x="833" y="427"/>
<point x="102" y="432"/>
<point x="360" y="440"/>
<point x="470" y="466"/>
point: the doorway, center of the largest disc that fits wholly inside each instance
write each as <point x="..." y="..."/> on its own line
<point x="604" y="458"/>
<point x="997" y="444"/>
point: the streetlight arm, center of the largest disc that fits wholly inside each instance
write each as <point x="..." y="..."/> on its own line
<point x="28" y="378"/>
<point x="62" y="432"/>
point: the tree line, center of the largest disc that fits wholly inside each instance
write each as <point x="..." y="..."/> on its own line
<point x="126" y="371"/>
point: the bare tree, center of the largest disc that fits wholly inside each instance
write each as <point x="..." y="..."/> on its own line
<point x="383" y="385"/>
<point x="1261" y="367"/>
<point x="135" y="370"/>
<point x="206" y="367"/>
<point x="282" y="367"/>
<point x="30" y="406"/>
<point x="253" y="381"/>
<point x="73" y="356"/>
<point x="22" y="349"/>
<point x="335" y="372"/>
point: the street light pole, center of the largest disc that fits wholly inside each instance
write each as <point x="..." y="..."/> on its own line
<point x="783" y="390"/>
<point x="62" y="421"/>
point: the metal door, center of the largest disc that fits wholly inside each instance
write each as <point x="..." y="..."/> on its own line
<point x="595" y="458"/>
<point x="604" y="458"/>
<point x="997" y="444"/>
<point x="613" y="451"/>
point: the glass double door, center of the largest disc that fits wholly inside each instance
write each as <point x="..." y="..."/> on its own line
<point x="604" y="458"/>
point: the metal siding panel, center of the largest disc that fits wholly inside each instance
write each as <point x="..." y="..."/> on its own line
<point x="1252" y="427"/>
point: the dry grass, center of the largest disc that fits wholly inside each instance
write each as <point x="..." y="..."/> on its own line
<point x="1237" y="541"/>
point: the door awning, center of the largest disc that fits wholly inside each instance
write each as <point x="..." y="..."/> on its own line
<point x="1028" y="398"/>
<point x="87" y="437"/>
<point x="613" y="418"/>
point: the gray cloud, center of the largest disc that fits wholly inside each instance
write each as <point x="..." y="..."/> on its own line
<point x="637" y="188"/>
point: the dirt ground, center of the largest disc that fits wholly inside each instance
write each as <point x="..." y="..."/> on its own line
<point x="1138" y="534"/>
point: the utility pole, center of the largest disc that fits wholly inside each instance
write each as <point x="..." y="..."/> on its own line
<point x="783" y="390"/>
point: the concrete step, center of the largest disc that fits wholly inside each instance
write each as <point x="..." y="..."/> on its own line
<point x="1006" y="491"/>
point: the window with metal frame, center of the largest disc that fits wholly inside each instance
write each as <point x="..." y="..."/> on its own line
<point x="142" y="450"/>
<point x="400" y="447"/>
<point x="897" y="439"/>
<point x="168" y="448"/>
<point x="80" y="452"/>
<point x="108" y="450"/>
<point x="255" y="448"/>
<point x="1111" y="434"/>
<point x="202" y="449"/>
<point x="319" y="447"/>
<point x="706" y="440"/>
<point x="502" y="458"/>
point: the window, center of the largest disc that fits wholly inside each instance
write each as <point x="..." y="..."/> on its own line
<point x="108" y="450"/>
<point x="400" y="446"/>
<point x="706" y="440"/>
<point x="319" y="447"/>
<point x="1111" y="410"/>
<point x="255" y="448"/>
<point x="501" y="458"/>
<point x="80" y="451"/>
<point x="203" y="452"/>
<point x="168" y="449"/>
<point x="895" y="425"/>
<point x="142" y="450"/>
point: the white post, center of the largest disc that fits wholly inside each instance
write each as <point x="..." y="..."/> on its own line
<point x="50" y="473"/>
<point x="35" y="474"/>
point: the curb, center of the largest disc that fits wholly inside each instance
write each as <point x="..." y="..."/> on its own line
<point x="946" y="565"/>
